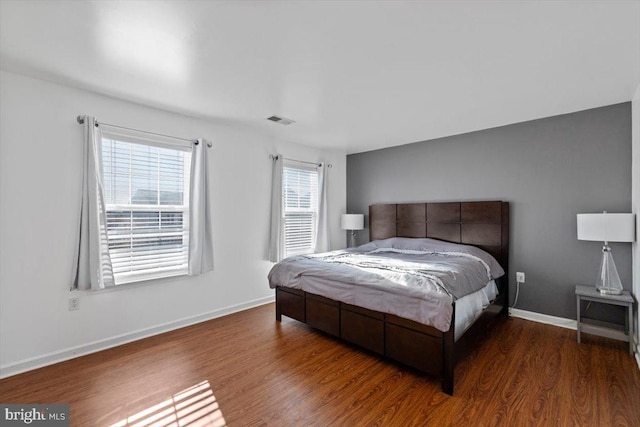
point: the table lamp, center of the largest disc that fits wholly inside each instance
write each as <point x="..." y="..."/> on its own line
<point x="607" y="227"/>
<point x="352" y="222"/>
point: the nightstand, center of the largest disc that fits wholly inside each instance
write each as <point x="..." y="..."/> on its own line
<point x="605" y="329"/>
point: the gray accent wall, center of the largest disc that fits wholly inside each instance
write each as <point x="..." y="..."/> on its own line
<point x="548" y="169"/>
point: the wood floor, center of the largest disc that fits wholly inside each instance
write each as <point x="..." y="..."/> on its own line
<point x="248" y="370"/>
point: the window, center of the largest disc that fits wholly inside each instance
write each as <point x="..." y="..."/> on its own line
<point x="146" y="192"/>
<point x="300" y="200"/>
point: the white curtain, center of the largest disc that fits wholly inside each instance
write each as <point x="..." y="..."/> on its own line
<point x="200" y="228"/>
<point x="92" y="263"/>
<point x="276" y="239"/>
<point x="322" y="234"/>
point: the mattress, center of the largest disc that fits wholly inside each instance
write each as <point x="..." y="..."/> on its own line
<point x="470" y="307"/>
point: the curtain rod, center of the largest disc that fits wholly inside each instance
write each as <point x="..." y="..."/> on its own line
<point x="80" y="120"/>
<point x="275" y="157"/>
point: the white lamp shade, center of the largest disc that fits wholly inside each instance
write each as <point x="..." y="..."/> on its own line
<point x="352" y="222"/>
<point x="607" y="227"/>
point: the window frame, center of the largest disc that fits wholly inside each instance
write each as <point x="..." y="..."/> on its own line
<point x="313" y="210"/>
<point x="141" y="138"/>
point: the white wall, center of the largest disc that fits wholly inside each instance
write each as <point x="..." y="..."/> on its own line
<point x="40" y="158"/>
<point x="635" y="205"/>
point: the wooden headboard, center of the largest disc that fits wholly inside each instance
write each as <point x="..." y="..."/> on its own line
<point x="483" y="224"/>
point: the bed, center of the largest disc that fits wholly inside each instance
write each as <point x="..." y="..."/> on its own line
<point x="424" y="330"/>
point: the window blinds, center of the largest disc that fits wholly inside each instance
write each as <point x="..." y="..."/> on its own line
<point x="146" y="191"/>
<point x="300" y="208"/>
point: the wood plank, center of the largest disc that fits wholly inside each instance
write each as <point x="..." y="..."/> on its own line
<point x="410" y="324"/>
<point x="446" y="232"/>
<point x="411" y="212"/>
<point x="481" y="212"/>
<point x="413" y="348"/>
<point x="290" y="302"/>
<point x="365" y="331"/>
<point x="447" y="212"/>
<point x="262" y="372"/>
<point x="482" y="234"/>
<point x="362" y="310"/>
<point x="323" y="314"/>
<point x="411" y="219"/>
<point x="412" y="229"/>
<point x="382" y="221"/>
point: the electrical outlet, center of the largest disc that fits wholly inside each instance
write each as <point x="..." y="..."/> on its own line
<point x="520" y="277"/>
<point x="74" y="304"/>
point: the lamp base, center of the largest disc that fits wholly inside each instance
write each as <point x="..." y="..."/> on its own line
<point x="609" y="291"/>
<point x="608" y="281"/>
<point x="352" y="239"/>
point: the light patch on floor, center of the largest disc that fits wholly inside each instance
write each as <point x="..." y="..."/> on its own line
<point x="195" y="406"/>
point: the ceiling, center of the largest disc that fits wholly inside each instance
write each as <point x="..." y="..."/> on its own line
<point x="354" y="75"/>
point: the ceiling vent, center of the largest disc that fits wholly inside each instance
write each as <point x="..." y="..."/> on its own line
<point x="281" y="120"/>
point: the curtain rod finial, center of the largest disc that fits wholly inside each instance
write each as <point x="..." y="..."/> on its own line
<point x="209" y="144"/>
<point x="80" y="119"/>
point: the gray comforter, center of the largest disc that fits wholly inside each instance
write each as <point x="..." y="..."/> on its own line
<point x="382" y="274"/>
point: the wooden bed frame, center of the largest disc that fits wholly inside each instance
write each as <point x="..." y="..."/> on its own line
<point x="483" y="224"/>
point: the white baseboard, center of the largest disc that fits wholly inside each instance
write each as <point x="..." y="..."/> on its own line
<point x="544" y="318"/>
<point x="82" y="350"/>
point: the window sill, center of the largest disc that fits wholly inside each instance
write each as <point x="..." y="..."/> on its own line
<point x="126" y="280"/>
